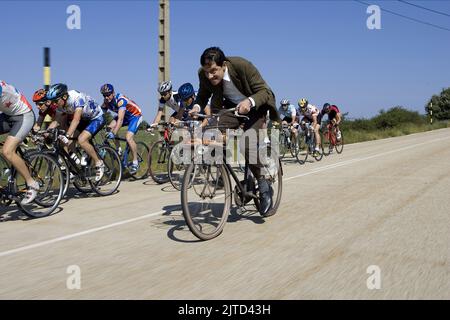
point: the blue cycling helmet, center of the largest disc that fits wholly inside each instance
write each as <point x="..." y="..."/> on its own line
<point x="186" y="91"/>
<point x="56" y="91"/>
<point x="107" y="89"/>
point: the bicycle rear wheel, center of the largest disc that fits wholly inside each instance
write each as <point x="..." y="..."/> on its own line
<point x="113" y="172"/>
<point x="176" y="167"/>
<point x="142" y="154"/>
<point x="47" y="172"/>
<point x="157" y="162"/>
<point x="206" y="199"/>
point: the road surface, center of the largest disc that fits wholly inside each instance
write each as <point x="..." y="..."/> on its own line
<point x="371" y="223"/>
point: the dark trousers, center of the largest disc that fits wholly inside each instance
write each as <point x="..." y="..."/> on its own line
<point x="248" y="147"/>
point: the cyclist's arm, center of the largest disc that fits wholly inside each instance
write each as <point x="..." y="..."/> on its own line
<point x="208" y="113"/>
<point x="158" y="117"/>
<point x="38" y="123"/>
<point x="119" y="122"/>
<point x="338" y="118"/>
<point x="314" y="117"/>
<point x="75" y="121"/>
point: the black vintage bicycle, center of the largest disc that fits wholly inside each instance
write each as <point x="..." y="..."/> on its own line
<point x="207" y="191"/>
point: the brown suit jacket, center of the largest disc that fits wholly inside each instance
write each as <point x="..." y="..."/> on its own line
<point x="247" y="80"/>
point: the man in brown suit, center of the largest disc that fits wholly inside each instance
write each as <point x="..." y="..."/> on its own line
<point x="234" y="82"/>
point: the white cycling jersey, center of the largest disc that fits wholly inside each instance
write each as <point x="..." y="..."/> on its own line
<point x="311" y="111"/>
<point x="172" y="103"/>
<point x="288" y="113"/>
<point x="12" y="102"/>
<point x="76" y="99"/>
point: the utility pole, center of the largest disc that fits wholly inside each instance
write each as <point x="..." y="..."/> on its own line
<point x="163" y="45"/>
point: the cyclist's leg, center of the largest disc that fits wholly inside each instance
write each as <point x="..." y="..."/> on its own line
<point x="317" y="133"/>
<point x="18" y="128"/>
<point x="133" y="125"/>
<point x="94" y="126"/>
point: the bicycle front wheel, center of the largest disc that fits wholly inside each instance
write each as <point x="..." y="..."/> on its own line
<point x="206" y="199"/>
<point x="47" y="172"/>
<point x="157" y="162"/>
<point x="302" y="148"/>
<point x="340" y="144"/>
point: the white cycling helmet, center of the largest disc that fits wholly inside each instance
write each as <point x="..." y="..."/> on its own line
<point x="285" y="104"/>
<point x="165" y="86"/>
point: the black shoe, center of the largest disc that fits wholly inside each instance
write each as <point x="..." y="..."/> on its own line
<point x="265" y="196"/>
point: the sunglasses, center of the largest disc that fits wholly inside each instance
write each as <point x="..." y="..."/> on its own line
<point x="163" y="94"/>
<point x="107" y="95"/>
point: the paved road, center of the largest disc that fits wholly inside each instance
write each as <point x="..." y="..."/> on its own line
<point x="381" y="203"/>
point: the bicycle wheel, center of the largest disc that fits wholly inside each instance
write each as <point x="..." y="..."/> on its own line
<point x="302" y="148"/>
<point x="272" y="170"/>
<point x="294" y="146"/>
<point x="113" y="172"/>
<point x="176" y="167"/>
<point x="340" y="144"/>
<point x="142" y="154"/>
<point x="206" y="199"/>
<point x="157" y="163"/>
<point x="81" y="183"/>
<point x="64" y="169"/>
<point x="5" y="171"/>
<point x="326" y="143"/>
<point x="282" y="145"/>
<point x="47" y="172"/>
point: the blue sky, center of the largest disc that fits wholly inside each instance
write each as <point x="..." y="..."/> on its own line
<point x="321" y="50"/>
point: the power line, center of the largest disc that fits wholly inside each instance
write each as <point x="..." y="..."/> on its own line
<point x="406" y="17"/>
<point x="428" y="9"/>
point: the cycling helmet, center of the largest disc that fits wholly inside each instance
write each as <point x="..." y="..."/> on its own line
<point x="285" y="104"/>
<point x="106" y="89"/>
<point x="302" y="103"/>
<point x="326" y="107"/>
<point x="56" y="91"/>
<point x="40" y="95"/>
<point x="165" y="86"/>
<point x="185" y="91"/>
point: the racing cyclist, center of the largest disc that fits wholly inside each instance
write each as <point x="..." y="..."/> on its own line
<point x="168" y="98"/>
<point x="128" y="114"/>
<point x="87" y="118"/>
<point x="17" y="119"/>
<point x="312" y="115"/>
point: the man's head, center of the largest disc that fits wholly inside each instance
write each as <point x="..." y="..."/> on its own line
<point x="187" y="93"/>
<point x="303" y="103"/>
<point x="326" y="108"/>
<point x="58" y="94"/>
<point x="165" y="90"/>
<point x="212" y="62"/>
<point x="285" y="104"/>
<point x="40" y="98"/>
<point x="107" y="91"/>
